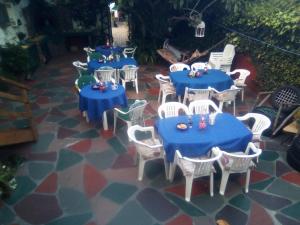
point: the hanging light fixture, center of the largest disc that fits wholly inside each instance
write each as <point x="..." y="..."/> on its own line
<point x="200" y="29"/>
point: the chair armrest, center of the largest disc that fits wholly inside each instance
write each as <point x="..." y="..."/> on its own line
<point x="120" y="111"/>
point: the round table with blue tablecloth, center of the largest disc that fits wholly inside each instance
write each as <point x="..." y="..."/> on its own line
<point x="93" y="64"/>
<point x="213" y="78"/>
<point x="96" y="102"/>
<point x="228" y="133"/>
<point x="108" y="50"/>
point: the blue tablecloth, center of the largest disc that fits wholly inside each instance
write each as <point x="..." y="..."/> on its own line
<point x="228" y="133"/>
<point x="213" y="78"/>
<point x="104" y="50"/>
<point x="96" y="102"/>
<point x="93" y="64"/>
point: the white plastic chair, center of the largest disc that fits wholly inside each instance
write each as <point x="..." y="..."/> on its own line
<point x="204" y="106"/>
<point x="222" y="60"/>
<point x="193" y="168"/>
<point x="147" y="149"/>
<point x="238" y="162"/>
<point x="261" y="123"/>
<point x="170" y="109"/>
<point x="165" y="88"/>
<point x="241" y="80"/>
<point x="200" y="66"/>
<point x="81" y="68"/>
<point x="193" y="94"/>
<point x="179" y="67"/>
<point x="134" y="114"/>
<point x="129" y="52"/>
<point x="227" y="96"/>
<point x="128" y="73"/>
<point x="88" y="51"/>
<point x="105" y="74"/>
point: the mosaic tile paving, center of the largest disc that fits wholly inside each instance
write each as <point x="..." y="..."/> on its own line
<point x="79" y="174"/>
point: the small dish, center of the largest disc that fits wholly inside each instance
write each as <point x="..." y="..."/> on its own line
<point x="95" y="86"/>
<point x="181" y="126"/>
<point x="114" y="87"/>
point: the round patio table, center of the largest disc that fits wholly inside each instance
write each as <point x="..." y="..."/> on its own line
<point x="93" y="64"/>
<point x="107" y="50"/>
<point x="96" y="102"/>
<point x="228" y="133"/>
<point x="213" y="78"/>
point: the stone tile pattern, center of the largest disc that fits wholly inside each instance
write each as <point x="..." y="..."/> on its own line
<point x="76" y="170"/>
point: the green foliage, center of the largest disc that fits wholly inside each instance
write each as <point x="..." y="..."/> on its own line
<point x="8" y="169"/>
<point x="14" y="60"/>
<point x="276" y="23"/>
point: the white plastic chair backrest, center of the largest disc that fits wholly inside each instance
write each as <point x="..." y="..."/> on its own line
<point x="203" y="106"/>
<point x="193" y="94"/>
<point x="237" y="162"/>
<point x="260" y="124"/>
<point x="171" y="109"/>
<point x="136" y="111"/>
<point x="179" y="67"/>
<point x="242" y="77"/>
<point x="228" y="94"/>
<point x="105" y="73"/>
<point x="129" y="72"/>
<point x="79" y="67"/>
<point x="129" y="52"/>
<point x="201" y="167"/>
<point x="229" y="51"/>
<point x="200" y="66"/>
<point x="164" y="81"/>
<point x="132" y="134"/>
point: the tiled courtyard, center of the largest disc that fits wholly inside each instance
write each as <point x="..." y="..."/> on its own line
<point x="77" y="174"/>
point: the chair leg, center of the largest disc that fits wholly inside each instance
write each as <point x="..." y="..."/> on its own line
<point x="124" y="84"/>
<point x="224" y="180"/>
<point x="172" y="168"/>
<point x="136" y="86"/>
<point x="188" y="187"/>
<point x="115" y="122"/>
<point x="211" y="184"/>
<point x="242" y="94"/>
<point x="141" y="168"/>
<point x="247" y="181"/>
<point x="163" y="99"/>
<point x="179" y="98"/>
<point x="159" y="95"/>
<point x="234" y="107"/>
<point x="167" y="167"/>
<point x="221" y="106"/>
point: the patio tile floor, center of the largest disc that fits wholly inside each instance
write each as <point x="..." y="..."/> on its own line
<point x="78" y="174"/>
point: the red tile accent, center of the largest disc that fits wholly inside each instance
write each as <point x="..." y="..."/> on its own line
<point x="259" y="215"/>
<point x="107" y="133"/>
<point x="94" y="181"/>
<point x="149" y="122"/>
<point x="40" y="118"/>
<point x="180" y="220"/>
<point x="81" y="146"/>
<point x="64" y="133"/>
<point x="131" y="150"/>
<point x="292" y="177"/>
<point x="43" y="100"/>
<point x="153" y="91"/>
<point x="49" y="185"/>
<point x="255" y="177"/>
<point x="199" y="187"/>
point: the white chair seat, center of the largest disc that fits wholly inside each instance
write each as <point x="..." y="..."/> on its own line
<point x="193" y="168"/>
<point x="237" y="162"/>
<point x="148" y="149"/>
